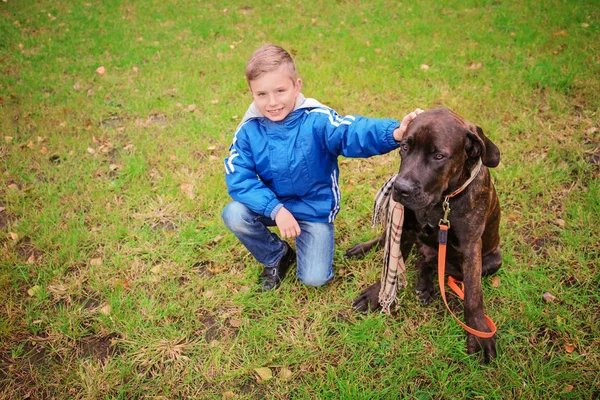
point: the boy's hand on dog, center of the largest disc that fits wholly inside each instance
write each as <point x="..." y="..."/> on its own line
<point x="399" y="132"/>
<point x="287" y="224"/>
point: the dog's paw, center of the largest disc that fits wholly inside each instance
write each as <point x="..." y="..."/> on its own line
<point x="424" y="296"/>
<point x="361" y="249"/>
<point x="368" y="300"/>
<point x="485" y="348"/>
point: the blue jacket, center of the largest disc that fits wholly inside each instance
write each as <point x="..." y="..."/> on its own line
<point x="293" y="163"/>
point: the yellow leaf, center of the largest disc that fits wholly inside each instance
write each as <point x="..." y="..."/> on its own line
<point x="285" y="374"/>
<point x="264" y="374"/>
<point x="32" y="291"/>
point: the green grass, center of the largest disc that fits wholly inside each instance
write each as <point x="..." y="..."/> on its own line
<point x="118" y="278"/>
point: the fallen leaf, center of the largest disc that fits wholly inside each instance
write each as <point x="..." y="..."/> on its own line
<point x="101" y="70"/>
<point x="31" y="259"/>
<point x="30" y="145"/>
<point x="362" y="60"/>
<point x="569" y="347"/>
<point x="96" y="262"/>
<point x="43" y="150"/>
<point x="211" y="148"/>
<point x="208" y="293"/>
<point x="264" y="374"/>
<point x="129" y="147"/>
<point x="560" y="222"/>
<point x="218" y="238"/>
<point x="191" y="107"/>
<point x="236" y="323"/>
<point x="91" y="150"/>
<point x="13" y="186"/>
<point x="13" y="236"/>
<point x="105" y="309"/>
<point x="285" y="374"/>
<point x="475" y="66"/>
<point x="188" y="189"/>
<point x="548" y="298"/>
<point x="113" y="167"/>
<point x="568" y="388"/>
<point x="495" y="281"/>
<point x="2" y="209"/>
<point x="32" y="291"/>
<point x="213" y="158"/>
<point x="136" y="69"/>
<point x="77" y="86"/>
<point x="562" y="32"/>
<point x="228" y="395"/>
<point x="585" y="25"/>
<point x="215" y="101"/>
<point x="8" y="139"/>
<point x="156" y="269"/>
<point x="424" y="67"/>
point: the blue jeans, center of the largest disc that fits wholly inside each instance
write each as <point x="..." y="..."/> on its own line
<point x="314" y="245"/>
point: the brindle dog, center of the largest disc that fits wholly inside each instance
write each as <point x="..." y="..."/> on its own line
<point x="438" y="151"/>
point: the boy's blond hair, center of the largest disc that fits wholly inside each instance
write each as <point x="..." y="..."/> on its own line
<point x="269" y="58"/>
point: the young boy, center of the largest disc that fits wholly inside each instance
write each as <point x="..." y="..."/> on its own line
<point x="282" y="169"/>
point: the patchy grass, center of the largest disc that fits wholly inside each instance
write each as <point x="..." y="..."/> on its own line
<point x="119" y="280"/>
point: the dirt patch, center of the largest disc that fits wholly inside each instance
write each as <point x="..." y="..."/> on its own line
<point x="203" y="268"/>
<point x="5" y="218"/>
<point x="27" y="250"/>
<point x="99" y="348"/>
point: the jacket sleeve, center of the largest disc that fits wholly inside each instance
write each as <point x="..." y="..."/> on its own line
<point x="355" y="136"/>
<point x="243" y="183"/>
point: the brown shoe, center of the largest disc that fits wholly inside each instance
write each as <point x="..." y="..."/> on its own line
<point x="271" y="277"/>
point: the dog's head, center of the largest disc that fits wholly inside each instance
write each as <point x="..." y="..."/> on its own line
<point x="438" y="150"/>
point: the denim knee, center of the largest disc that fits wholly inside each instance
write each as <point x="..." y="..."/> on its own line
<point x="236" y="217"/>
<point x="316" y="280"/>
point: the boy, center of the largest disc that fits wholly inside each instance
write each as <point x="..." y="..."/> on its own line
<point x="282" y="169"/>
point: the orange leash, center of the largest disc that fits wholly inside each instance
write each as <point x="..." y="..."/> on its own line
<point x="453" y="284"/>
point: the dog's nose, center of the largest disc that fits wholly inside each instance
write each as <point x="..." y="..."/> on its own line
<point x="403" y="188"/>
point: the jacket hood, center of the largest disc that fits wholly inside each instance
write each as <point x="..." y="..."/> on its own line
<point x="301" y="102"/>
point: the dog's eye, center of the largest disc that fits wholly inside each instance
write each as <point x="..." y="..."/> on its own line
<point x="438" y="156"/>
<point x="404" y="147"/>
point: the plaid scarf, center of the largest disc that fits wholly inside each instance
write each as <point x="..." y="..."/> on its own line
<point x="390" y="214"/>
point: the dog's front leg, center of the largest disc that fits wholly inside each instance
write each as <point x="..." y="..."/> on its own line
<point x="474" y="311"/>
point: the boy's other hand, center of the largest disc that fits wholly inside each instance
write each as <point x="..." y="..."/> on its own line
<point x="399" y="132"/>
<point x="287" y="224"/>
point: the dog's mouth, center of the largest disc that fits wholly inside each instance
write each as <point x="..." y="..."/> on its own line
<point x="416" y="201"/>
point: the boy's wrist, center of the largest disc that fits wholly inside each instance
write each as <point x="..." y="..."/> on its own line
<point x="275" y="210"/>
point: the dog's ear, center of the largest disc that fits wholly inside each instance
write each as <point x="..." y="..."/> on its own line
<point x="478" y="145"/>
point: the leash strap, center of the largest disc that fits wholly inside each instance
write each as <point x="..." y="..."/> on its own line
<point x="453" y="284"/>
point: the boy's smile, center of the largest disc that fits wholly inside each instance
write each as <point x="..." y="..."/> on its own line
<point x="275" y="93"/>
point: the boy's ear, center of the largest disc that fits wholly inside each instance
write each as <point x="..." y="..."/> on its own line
<point x="298" y="85"/>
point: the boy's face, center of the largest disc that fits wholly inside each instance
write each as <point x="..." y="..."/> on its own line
<point x="275" y="93"/>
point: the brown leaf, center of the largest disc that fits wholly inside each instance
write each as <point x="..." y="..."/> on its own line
<point x="285" y="374"/>
<point x="128" y="147"/>
<point x="105" y="309"/>
<point x="236" y="323"/>
<point x="228" y="395"/>
<point x="424" y="67"/>
<point x="495" y="281"/>
<point x="208" y="293"/>
<point x="264" y="374"/>
<point x="7" y="139"/>
<point x="562" y="32"/>
<point x="31" y="259"/>
<point x="77" y="86"/>
<point x="136" y="70"/>
<point x="560" y="222"/>
<point x="96" y="262"/>
<point x="101" y="70"/>
<point x="191" y="107"/>
<point x="188" y="190"/>
<point x="548" y="297"/>
<point x="569" y="348"/>
<point x="91" y="150"/>
<point x="568" y="388"/>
